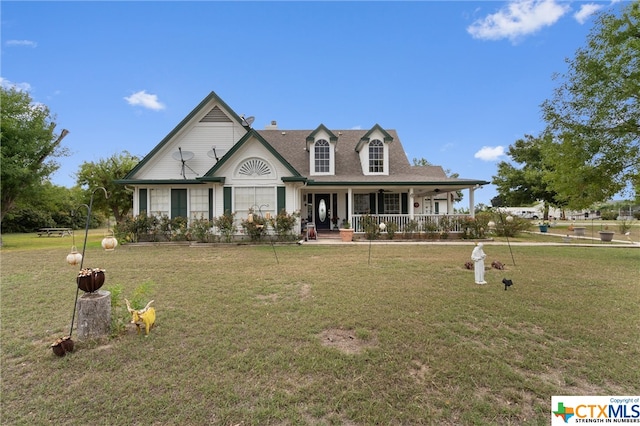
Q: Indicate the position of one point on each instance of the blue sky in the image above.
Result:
(459, 80)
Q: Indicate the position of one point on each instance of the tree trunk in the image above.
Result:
(94, 314)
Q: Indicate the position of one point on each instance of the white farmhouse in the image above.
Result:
(214, 162)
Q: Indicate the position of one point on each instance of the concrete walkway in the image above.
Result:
(573, 242)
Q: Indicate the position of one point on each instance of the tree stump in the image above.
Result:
(94, 314)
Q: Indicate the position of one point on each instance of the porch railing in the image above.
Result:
(427, 223)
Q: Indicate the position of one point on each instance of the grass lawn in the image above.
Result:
(322, 337)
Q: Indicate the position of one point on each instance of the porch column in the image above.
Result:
(431, 207)
(411, 201)
(350, 205)
(449, 203)
(472, 210)
(136, 201)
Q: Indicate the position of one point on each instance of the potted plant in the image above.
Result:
(579, 230)
(606, 235)
(346, 233)
(335, 220)
(543, 226)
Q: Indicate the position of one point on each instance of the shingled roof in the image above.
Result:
(291, 145)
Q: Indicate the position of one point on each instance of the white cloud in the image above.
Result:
(27, 43)
(586, 10)
(519, 18)
(21, 87)
(488, 153)
(145, 100)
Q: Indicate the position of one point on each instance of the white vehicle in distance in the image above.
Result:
(523, 212)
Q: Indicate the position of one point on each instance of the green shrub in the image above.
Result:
(226, 225)
(254, 226)
(200, 230)
(609, 215)
(371, 227)
(392, 229)
(283, 225)
(411, 228)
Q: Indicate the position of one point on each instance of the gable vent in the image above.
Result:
(215, 116)
(255, 167)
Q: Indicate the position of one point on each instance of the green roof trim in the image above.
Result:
(215, 179)
(157, 181)
(312, 136)
(251, 133)
(211, 97)
(366, 138)
(311, 182)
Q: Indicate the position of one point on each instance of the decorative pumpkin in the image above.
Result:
(90, 280)
(62, 345)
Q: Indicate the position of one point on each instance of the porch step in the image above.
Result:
(328, 235)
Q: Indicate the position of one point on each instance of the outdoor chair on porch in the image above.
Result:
(311, 231)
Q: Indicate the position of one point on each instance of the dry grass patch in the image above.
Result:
(345, 341)
(322, 337)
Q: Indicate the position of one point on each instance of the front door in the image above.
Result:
(322, 211)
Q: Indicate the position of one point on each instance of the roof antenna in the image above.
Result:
(247, 122)
(213, 153)
(183, 157)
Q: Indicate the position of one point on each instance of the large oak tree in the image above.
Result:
(594, 114)
(29, 146)
(525, 182)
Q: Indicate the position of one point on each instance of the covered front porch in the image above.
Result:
(414, 224)
(403, 210)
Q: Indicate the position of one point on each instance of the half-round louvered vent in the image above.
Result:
(255, 167)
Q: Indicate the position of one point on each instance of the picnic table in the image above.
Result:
(54, 231)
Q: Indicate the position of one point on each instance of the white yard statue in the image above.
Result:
(478, 263)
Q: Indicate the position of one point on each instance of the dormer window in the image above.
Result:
(373, 149)
(376, 156)
(322, 145)
(322, 156)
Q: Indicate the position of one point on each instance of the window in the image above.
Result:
(321, 155)
(199, 203)
(159, 202)
(391, 203)
(361, 203)
(143, 200)
(254, 167)
(376, 156)
(260, 199)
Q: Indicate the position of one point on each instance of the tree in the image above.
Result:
(49, 206)
(103, 173)
(526, 184)
(594, 114)
(28, 146)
